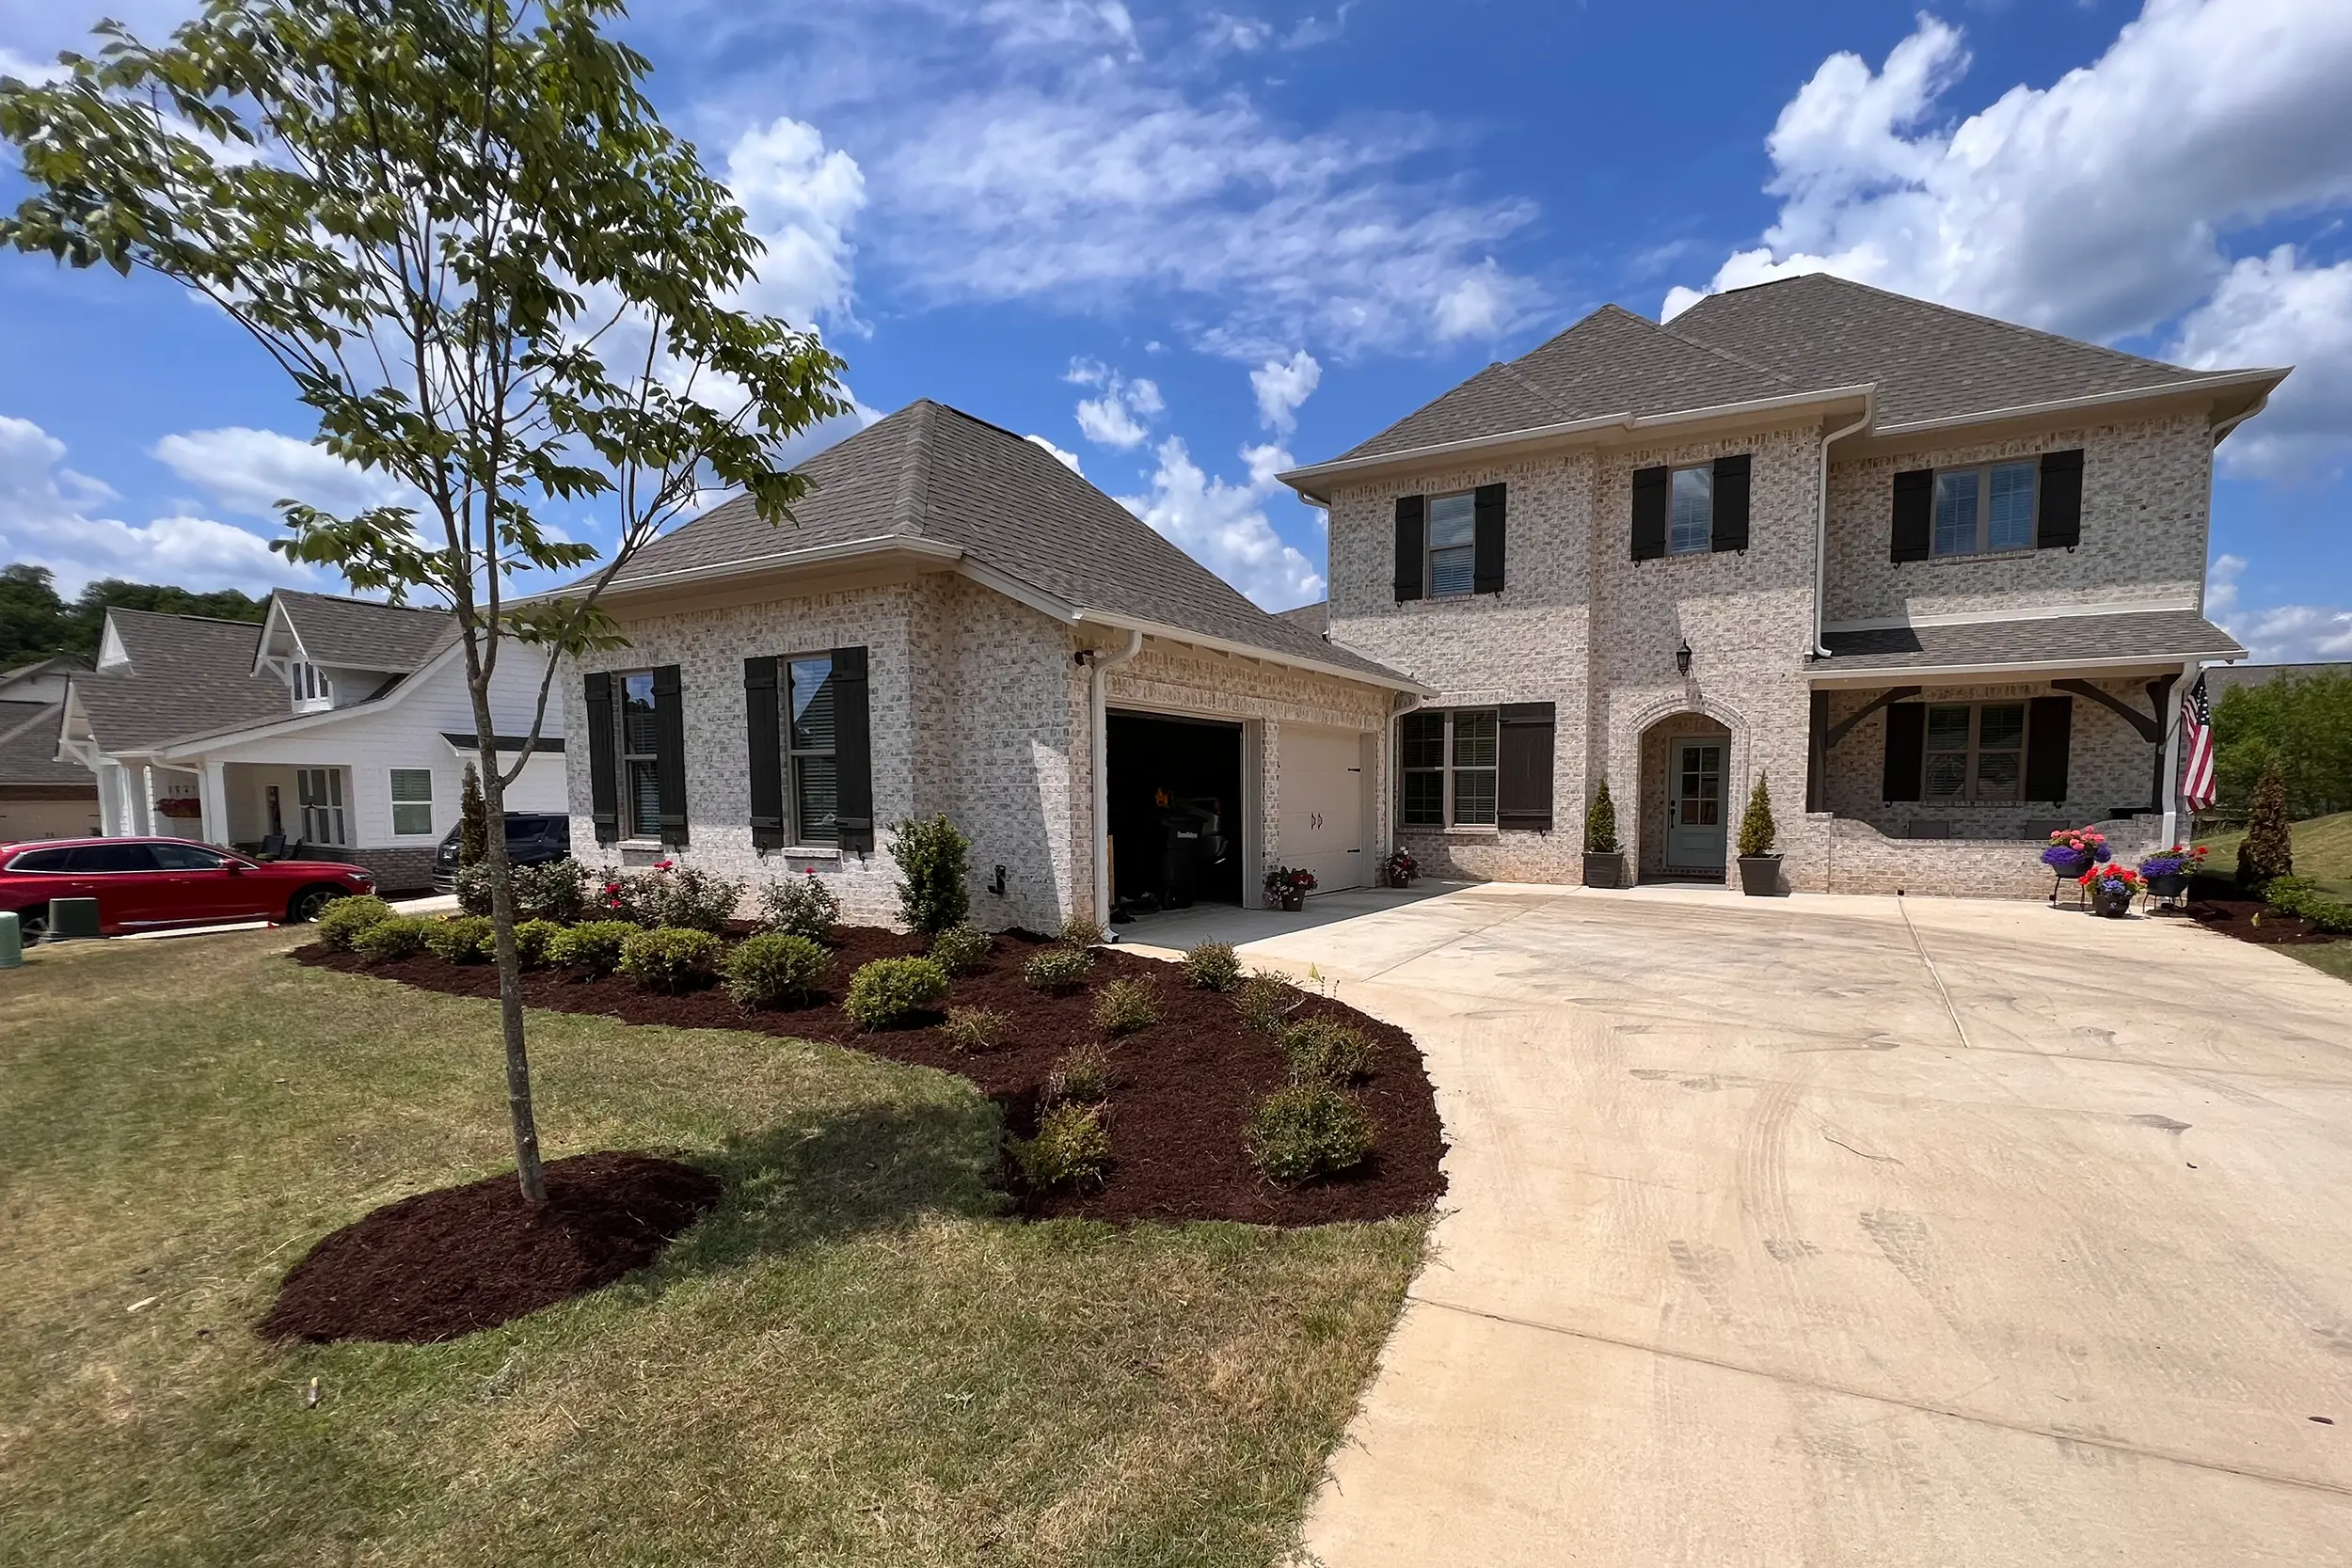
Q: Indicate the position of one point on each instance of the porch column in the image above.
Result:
(143, 801)
(2173, 755)
(212, 795)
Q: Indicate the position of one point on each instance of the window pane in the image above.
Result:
(1424, 798)
(2010, 514)
(412, 784)
(1997, 773)
(816, 793)
(812, 704)
(112, 857)
(1424, 741)
(1945, 775)
(1452, 571)
(2002, 727)
(1475, 796)
(412, 818)
(1474, 738)
(1948, 727)
(39, 860)
(645, 797)
(1693, 515)
(640, 733)
(183, 857)
(1956, 512)
(1453, 520)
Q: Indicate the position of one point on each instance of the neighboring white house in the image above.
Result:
(340, 728)
(39, 795)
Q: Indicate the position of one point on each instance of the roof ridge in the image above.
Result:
(353, 598)
(176, 615)
(1740, 360)
(915, 471)
(1520, 377)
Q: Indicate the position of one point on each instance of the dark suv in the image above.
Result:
(533, 838)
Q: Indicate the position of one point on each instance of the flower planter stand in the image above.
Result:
(1759, 877)
(1604, 869)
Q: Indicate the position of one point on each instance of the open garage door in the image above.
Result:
(1326, 805)
(1174, 787)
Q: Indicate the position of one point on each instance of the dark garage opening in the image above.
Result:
(1175, 812)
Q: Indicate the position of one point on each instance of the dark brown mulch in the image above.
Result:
(2221, 905)
(449, 1262)
(1183, 1091)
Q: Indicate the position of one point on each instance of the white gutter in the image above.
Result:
(1245, 650)
(1098, 664)
(1820, 529)
(2221, 431)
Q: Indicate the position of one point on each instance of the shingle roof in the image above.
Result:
(2055, 640)
(1929, 361)
(362, 634)
(935, 473)
(186, 675)
(1316, 617)
(28, 747)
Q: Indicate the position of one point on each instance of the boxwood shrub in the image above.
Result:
(461, 938)
(1324, 1051)
(345, 918)
(776, 970)
(670, 957)
(962, 949)
(535, 941)
(593, 945)
(890, 991)
(1306, 1130)
(400, 936)
(1058, 969)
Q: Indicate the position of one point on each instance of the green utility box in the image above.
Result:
(11, 942)
(71, 917)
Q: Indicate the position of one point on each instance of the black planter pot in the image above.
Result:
(1293, 902)
(2169, 887)
(1759, 877)
(2112, 902)
(1604, 870)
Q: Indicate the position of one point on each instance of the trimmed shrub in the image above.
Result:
(2267, 849)
(1306, 1130)
(674, 897)
(1124, 1007)
(1073, 1149)
(2300, 896)
(461, 938)
(974, 1030)
(1058, 969)
(801, 905)
(557, 891)
(345, 918)
(400, 936)
(962, 949)
(1600, 823)
(775, 970)
(1324, 1051)
(1081, 1077)
(1758, 833)
(1083, 930)
(593, 945)
(890, 991)
(670, 957)
(931, 874)
(1264, 1000)
(1212, 966)
(534, 942)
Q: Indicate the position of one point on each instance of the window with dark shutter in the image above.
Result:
(2049, 739)
(1913, 530)
(1486, 549)
(2058, 517)
(1411, 544)
(669, 707)
(1649, 512)
(763, 750)
(1523, 768)
(1906, 744)
(853, 751)
(604, 790)
(1731, 503)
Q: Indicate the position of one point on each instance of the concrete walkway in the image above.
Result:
(1866, 1232)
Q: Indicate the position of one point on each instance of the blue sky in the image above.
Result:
(1187, 247)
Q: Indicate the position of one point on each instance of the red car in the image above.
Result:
(149, 884)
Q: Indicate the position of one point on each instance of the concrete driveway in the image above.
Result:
(1843, 1231)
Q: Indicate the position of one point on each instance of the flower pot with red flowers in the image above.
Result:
(2112, 888)
(2167, 870)
(1287, 886)
(1400, 869)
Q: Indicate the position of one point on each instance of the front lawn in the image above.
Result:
(853, 1359)
(2322, 851)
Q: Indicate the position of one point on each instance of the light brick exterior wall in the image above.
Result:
(1857, 858)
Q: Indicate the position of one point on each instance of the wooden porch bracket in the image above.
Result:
(2151, 729)
(1838, 731)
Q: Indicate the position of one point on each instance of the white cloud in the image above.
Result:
(1283, 386)
(2279, 634)
(800, 200)
(1120, 417)
(2275, 310)
(45, 519)
(1224, 526)
(248, 472)
(1068, 459)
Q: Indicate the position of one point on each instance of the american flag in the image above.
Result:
(2196, 734)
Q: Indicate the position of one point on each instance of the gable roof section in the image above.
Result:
(1929, 361)
(362, 634)
(186, 674)
(932, 475)
(28, 747)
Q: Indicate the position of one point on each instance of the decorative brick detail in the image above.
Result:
(1857, 858)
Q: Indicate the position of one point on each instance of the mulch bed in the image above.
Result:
(1182, 1095)
(449, 1262)
(2221, 905)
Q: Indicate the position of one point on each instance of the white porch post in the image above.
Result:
(145, 803)
(109, 800)
(212, 793)
(2173, 756)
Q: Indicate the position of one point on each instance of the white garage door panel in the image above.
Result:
(1323, 805)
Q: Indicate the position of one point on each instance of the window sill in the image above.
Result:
(1468, 832)
(810, 852)
(1971, 557)
(648, 844)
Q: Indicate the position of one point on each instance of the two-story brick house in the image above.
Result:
(1936, 577)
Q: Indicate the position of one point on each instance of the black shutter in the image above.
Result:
(1411, 545)
(1915, 516)
(1649, 512)
(1731, 503)
(604, 787)
(668, 763)
(1906, 746)
(1523, 768)
(763, 745)
(2049, 738)
(2058, 518)
(1486, 510)
(853, 751)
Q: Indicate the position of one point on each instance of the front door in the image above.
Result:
(1695, 807)
(321, 793)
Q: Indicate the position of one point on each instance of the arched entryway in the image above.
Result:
(1686, 774)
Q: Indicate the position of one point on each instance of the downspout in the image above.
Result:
(1821, 531)
(1099, 664)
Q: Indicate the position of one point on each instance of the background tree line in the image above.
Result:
(37, 622)
(2304, 724)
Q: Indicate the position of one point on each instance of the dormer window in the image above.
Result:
(312, 690)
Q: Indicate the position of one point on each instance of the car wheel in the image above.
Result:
(309, 902)
(32, 925)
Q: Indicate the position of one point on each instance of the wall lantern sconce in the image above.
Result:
(1682, 657)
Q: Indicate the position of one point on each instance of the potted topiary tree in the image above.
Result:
(1604, 860)
(1759, 862)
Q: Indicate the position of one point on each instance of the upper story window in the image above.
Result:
(1974, 752)
(1453, 545)
(1690, 525)
(1982, 510)
(311, 688)
(1952, 514)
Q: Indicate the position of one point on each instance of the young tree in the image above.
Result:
(473, 819)
(461, 230)
(2267, 850)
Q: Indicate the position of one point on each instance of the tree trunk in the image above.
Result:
(527, 1167)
